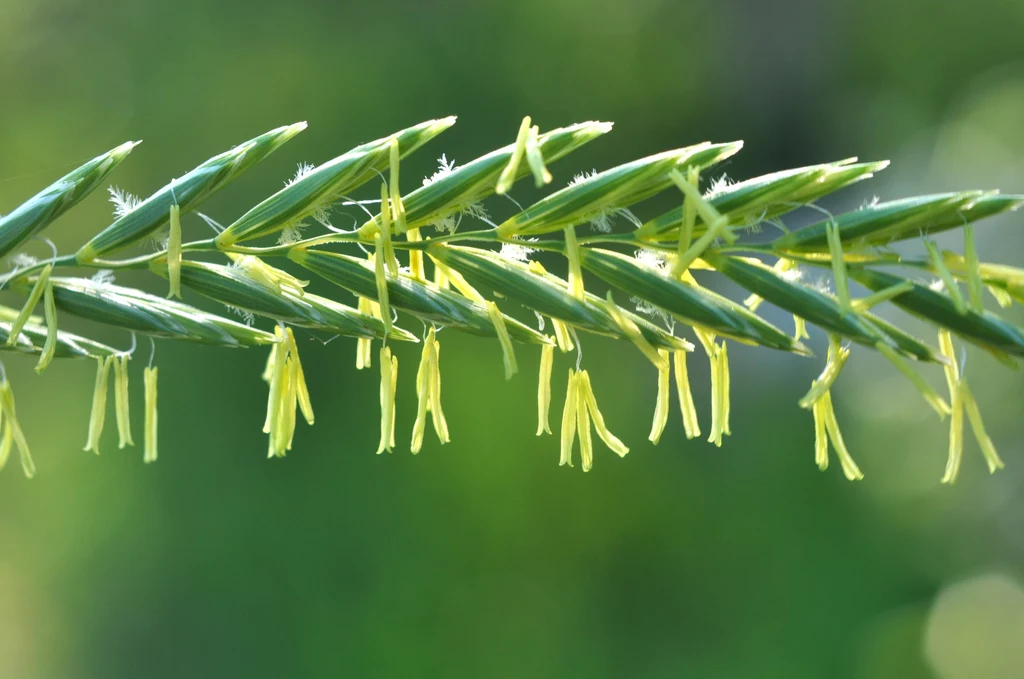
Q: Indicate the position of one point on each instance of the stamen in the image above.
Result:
(124, 428)
(850, 468)
(388, 383)
(416, 269)
(568, 431)
(686, 405)
(301, 391)
(632, 332)
(508, 352)
(440, 423)
(820, 435)
(28, 466)
(149, 380)
(562, 336)
(956, 435)
(662, 405)
(610, 440)
(364, 345)
(547, 359)
(837, 356)
(988, 449)
(583, 426)
(99, 404)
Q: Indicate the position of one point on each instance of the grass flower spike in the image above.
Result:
(283, 268)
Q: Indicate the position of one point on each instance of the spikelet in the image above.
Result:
(50, 314)
(507, 351)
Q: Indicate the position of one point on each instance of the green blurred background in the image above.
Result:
(484, 558)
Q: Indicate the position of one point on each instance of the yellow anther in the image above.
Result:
(610, 440)
(583, 425)
(149, 376)
(850, 468)
(99, 404)
(388, 384)
(364, 345)
(547, 360)
(837, 356)
(568, 430)
(121, 409)
(632, 332)
(302, 392)
(662, 404)
(13, 430)
(686, 405)
(416, 269)
(572, 252)
(507, 351)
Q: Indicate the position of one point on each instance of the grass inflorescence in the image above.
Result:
(433, 255)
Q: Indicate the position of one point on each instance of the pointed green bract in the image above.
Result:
(475, 180)
(544, 293)
(618, 187)
(685, 302)
(813, 306)
(984, 329)
(901, 219)
(131, 309)
(319, 187)
(425, 301)
(38, 212)
(187, 192)
(767, 196)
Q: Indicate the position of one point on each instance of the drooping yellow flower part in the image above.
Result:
(30, 304)
(800, 329)
(579, 412)
(547, 360)
(50, 314)
(568, 430)
(632, 332)
(662, 407)
(416, 269)
(428, 394)
(588, 399)
(686, 405)
(835, 248)
(583, 425)
(397, 207)
(850, 468)
(364, 345)
(440, 278)
(963, 402)
(149, 380)
(99, 404)
(508, 175)
(718, 359)
(124, 428)
(388, 384)
(820, 435)
(572, 253)
(535, 158)
(174, 254)
(12, 431)
(507, 351)
(288, 392)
